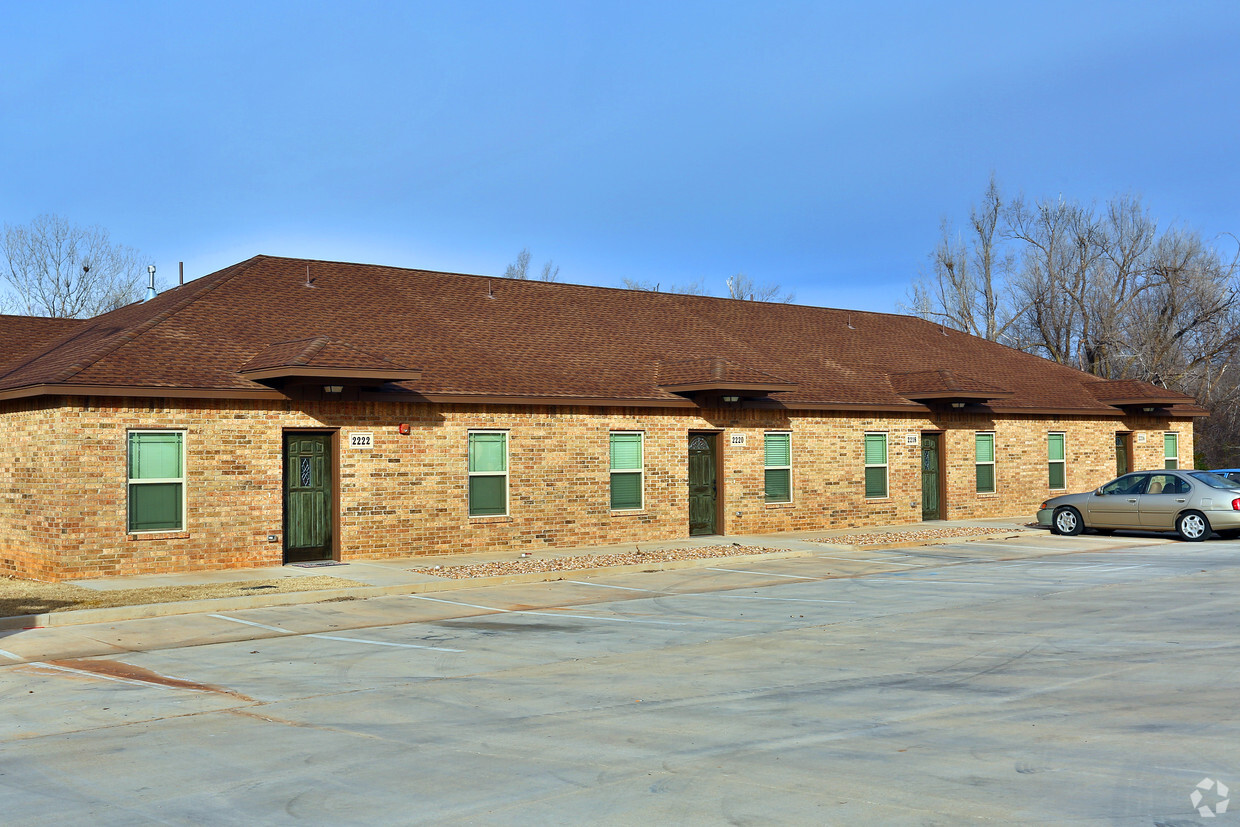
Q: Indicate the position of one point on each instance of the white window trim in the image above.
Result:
(1063, 462)
(886, 466)
(994, 451)
(507, 467)
(788, 467)
(1175, 434)
(641, 472)
(181, 479)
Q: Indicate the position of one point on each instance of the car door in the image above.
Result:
(1116, 505)
(1165, 496)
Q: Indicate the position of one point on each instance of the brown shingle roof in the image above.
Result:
(475, 336)
(943, 384)
(24, 337)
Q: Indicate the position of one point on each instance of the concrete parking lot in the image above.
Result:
(1001, 682)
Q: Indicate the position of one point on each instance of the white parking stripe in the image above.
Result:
(252, 623)
(9, 654)
(764, 574)
(331, 637)
(609, 586)
(783, 599)
(916, 580)
(384, 643)
(544, 614)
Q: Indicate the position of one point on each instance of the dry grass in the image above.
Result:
(22, 597)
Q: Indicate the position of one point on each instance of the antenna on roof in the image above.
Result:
(309, 281)
(150, 287)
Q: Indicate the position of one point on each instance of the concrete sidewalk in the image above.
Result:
(407, 575)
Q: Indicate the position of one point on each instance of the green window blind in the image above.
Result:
(778, 472)
(1055, 460)
(488, 453)
(156, 481)
(626, 472)
(488, 474)
(154, 456)
(985, 463)
(1171, 450)
(876, 466)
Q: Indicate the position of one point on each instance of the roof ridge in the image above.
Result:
(113, 344)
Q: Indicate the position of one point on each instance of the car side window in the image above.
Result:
(1175, 485)
(1126, 485)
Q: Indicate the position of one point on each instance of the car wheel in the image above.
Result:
(1192, 526)
(1067, 521)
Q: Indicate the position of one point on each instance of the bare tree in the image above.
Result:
(520, 268)
(967, 289)
(55, 268)
(696, 288)
(741, 286)
(1102, 290)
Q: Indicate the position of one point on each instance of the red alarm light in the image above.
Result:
(403, 428)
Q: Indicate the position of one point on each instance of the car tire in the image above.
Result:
(1192, 526)
(1067, 521)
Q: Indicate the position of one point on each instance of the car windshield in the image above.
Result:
(1214, 480)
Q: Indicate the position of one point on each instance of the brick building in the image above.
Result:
(283, 410)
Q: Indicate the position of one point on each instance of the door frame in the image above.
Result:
(333, 509)
(720, 514)
(1127, 439)
(942, 470)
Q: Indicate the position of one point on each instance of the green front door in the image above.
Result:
(307, 497)
(1121, 454)
(930, 492)
(703, 488)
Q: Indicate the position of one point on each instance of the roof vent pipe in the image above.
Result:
(150, 287)
(181, 277)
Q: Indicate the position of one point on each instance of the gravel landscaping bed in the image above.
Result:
(883, 537)
(529, 565)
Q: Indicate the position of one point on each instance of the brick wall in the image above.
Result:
(63, 491)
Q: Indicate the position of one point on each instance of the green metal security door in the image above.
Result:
(703, 489)
(930, 509)
(307, 497)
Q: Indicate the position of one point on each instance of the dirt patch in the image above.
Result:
(885, 537)
(530, 565)
(24, 597)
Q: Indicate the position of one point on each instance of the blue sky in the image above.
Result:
(817, 145)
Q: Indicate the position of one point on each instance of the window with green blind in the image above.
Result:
(156, 481)
(626, 471)
(488, 473)
(778, 468)
(1056, 460)
(1171, 450)
(875, 466)
(985, 463)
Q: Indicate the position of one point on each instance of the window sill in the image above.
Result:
(779, 505)
(158, 535)
(491, 518)
(636, 512)
(878, 499)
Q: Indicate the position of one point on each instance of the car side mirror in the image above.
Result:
(1098, 492)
